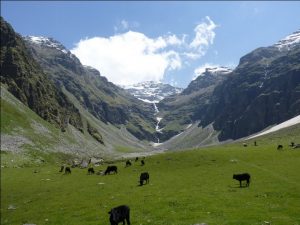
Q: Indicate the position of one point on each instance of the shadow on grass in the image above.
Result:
(244, 186)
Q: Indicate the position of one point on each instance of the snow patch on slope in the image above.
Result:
(211, 69)
(48, 42)
(280, 126)
(152, 92)
(289, 41)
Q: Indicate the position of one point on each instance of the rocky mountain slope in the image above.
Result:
(25, 133)
(25, 79)
(104, 100)
(263, 90)
(182, 110)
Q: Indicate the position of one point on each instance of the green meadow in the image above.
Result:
(186, 188)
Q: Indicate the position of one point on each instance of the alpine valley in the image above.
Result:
(50, 102)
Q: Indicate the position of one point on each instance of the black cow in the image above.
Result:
(142, 162)
(241, 177)
(137, 158)
(119, 214)
(128, 163)
(111, 169)
(279, 147)
(61, 169)
(144, 177)
(67, 170)
(91, 170)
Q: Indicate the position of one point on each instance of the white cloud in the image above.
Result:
(128, 58)
(132, 57)
(204, 36)
(191, 55)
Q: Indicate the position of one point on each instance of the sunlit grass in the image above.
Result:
(185, 188)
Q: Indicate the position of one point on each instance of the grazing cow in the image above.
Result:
(111, 169)
(279, 147)
(61, 169)
(67, 170)
(144, 177)
(119, 214)
(128, 163)
(137, 158)
(241, 177)
(91, 171)
(292, 144)
(297, 146)
(142, 162)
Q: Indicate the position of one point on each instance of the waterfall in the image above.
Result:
(155, 108)
(157, 129)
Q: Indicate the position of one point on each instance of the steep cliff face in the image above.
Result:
(106, 101)
(263, 90)
(26, 80)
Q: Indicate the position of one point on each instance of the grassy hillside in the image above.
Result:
(189, 187)
(193, 136)
(23, 132)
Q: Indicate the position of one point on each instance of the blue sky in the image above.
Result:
(135, 41)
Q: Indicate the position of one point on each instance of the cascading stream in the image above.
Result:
(158, 130)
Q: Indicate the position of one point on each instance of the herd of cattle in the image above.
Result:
(279, 147)
(122, 213)
(111, 170)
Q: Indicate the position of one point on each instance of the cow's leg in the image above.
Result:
(127, 220)
(240, 183)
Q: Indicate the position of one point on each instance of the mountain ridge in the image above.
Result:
(103, 99)
(25, 80)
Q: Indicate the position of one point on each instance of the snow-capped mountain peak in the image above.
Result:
(151, 91)
(212, 71)
(47, 42)
(220, 69)
(289, 41)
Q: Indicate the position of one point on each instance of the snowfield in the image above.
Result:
(280, 126)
